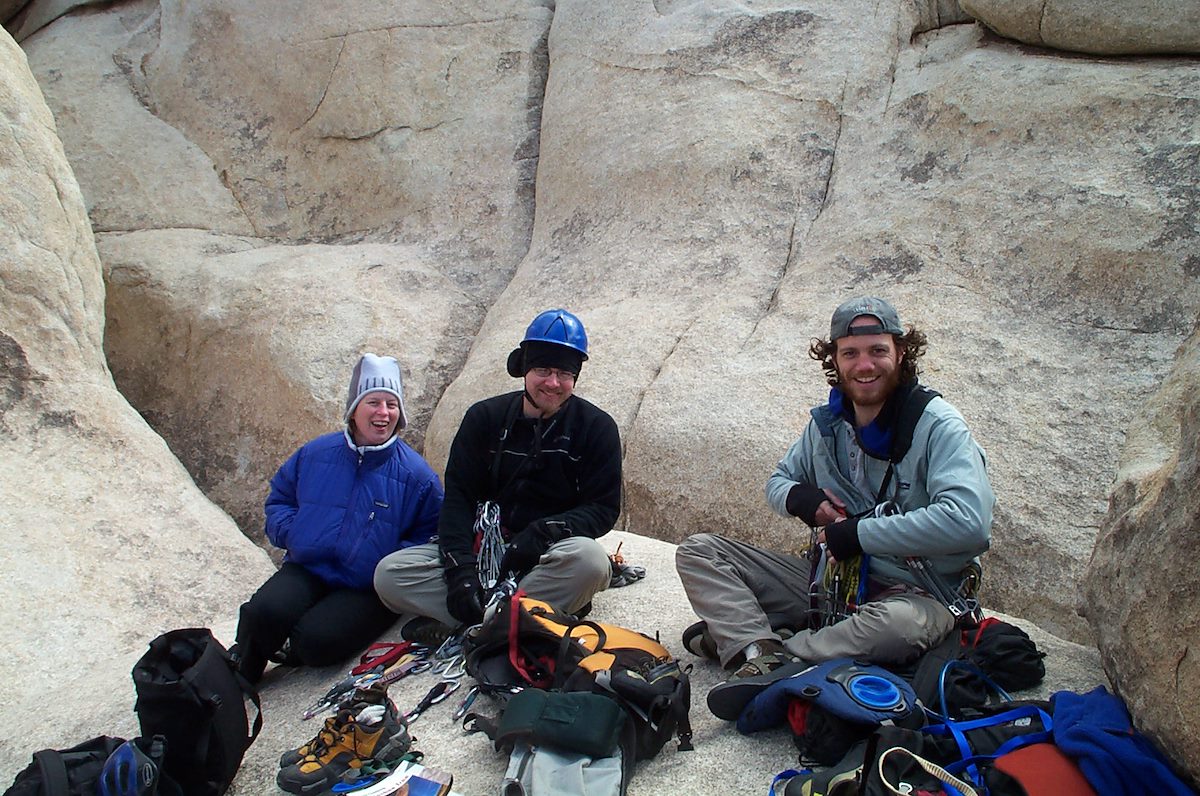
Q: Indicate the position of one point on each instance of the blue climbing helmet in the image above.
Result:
(558, 326)
(129, 771)
(554, 327)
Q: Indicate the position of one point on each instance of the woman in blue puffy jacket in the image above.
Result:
(337, 506)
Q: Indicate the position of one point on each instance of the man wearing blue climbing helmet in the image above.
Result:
(894, 490)
(532, 480)
(549, 359)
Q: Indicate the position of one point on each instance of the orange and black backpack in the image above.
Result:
(525, 643)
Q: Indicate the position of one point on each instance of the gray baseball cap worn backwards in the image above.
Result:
(885, 313)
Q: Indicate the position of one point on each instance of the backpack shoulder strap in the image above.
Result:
(906, 420)
(54, 772)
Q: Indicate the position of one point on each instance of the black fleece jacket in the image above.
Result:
(565, 468)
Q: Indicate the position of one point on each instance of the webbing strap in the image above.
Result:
(54, 772)
(783, 777)
(959, 729)
(950, 783)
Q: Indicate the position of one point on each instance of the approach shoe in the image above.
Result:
(354, 745)
(348, 709)
(426, 631)
(697, 641)
(840, 779)
(728, 699)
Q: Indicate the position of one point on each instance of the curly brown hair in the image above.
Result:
(912, 345)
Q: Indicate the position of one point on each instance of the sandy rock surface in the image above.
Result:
(722, 762)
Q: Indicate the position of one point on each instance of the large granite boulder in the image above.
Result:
(711, 181)
(1102, 27)
(192, 149)
(107, 542)
(270, 333)
(1146, 553)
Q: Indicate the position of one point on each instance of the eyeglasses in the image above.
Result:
(564, 376)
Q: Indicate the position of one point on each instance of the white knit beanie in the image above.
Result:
(375, 374)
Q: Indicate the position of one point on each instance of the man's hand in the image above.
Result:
(831, 510)
(526, 548)
(816, 506)
(464, 593)
(840, 540)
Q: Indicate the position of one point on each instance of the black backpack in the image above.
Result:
(189, 691)
(1002, 651)
(65, 772)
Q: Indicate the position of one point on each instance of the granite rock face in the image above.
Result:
(1100, 27)
(711, 181)
(279, 192)
(1146, 553)
(107, 541)
(275, 192)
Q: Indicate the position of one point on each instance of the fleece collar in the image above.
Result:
(364, 450)
(877, 436)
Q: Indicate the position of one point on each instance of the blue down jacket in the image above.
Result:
(337, 509)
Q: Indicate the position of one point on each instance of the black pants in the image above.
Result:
(325, 624)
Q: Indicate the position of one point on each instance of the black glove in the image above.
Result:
(803, 500)
(464, 593)
(526, 547)
(841, 539)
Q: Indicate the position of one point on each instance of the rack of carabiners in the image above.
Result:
(387, 662)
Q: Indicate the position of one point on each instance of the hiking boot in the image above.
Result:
(354, 744)
(727, 700)
(352, 706)
(697, 641)
(327, 736)
(426, 631)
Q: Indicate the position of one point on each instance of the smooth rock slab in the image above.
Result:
(1102, 27)
(106, 540)
(239, 352)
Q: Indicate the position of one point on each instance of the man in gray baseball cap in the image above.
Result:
(894, 489)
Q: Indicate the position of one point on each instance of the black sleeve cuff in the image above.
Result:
(803, 500)
(842, 539)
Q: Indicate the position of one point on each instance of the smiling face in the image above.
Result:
(869, 369)
(550, 388)
(374, 419)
